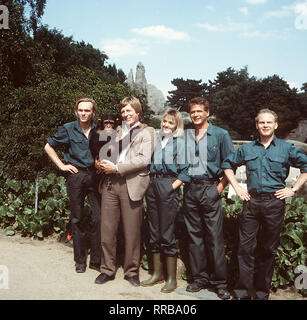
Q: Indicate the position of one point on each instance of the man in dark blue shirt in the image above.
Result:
(82, 180)
(206, 147)
(267, 161)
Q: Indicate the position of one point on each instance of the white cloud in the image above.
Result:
(123, 47)
(283, 12)
(161, 33)
(280, 34)
(244, 10)
(229, 26)
(256, 1)
(301, 10)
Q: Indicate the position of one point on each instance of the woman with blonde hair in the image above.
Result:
(168, 171)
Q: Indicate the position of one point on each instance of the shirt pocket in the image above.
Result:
(212, 153)
(251, 162)
(77, 140)
(276, 163)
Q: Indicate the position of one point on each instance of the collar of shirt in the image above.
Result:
(209, 131)
(165, 139)
(78, 127)
(273, 142)
(127, 129)
(125, 132)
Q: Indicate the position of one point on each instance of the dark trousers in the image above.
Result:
(204, 222)
(268, 214)
(162, 201)
(79, 185)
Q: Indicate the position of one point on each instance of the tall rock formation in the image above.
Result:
(154, 96)
(140, 79)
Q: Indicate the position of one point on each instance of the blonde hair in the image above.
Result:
(267, 111)
(134, 102)
(92, 101)
(176, 115)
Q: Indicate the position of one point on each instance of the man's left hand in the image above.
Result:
(107, 167)
(284, 193)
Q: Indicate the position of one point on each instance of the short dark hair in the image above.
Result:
(201, 101)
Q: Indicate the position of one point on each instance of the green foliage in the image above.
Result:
(236, 97)
(17, 206)
(17, 214)
(186, 90)
(292, 250)
(42, 74)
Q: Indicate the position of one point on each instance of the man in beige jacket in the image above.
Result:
(122, 190)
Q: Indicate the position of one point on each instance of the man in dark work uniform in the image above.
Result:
(267, 161)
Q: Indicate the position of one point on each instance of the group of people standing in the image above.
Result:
(116, 167)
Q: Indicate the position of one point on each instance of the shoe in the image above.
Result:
(195, 286)
(103, 278)
(95, 266)
(223, 294)
(134, 280)
(80, 267)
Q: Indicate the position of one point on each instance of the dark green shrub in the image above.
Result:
(17, 214)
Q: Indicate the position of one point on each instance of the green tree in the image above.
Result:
(237, 98)
(186, 90)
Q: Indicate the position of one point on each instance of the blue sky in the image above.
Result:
(193, 39)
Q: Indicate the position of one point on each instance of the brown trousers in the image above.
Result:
(115, 206)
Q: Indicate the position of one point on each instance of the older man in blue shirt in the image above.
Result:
(82, 180)
(267, 161)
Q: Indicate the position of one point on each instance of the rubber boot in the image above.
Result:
(171, 281)
(157, 276)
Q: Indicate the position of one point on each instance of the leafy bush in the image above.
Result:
(17, 208)
(17, 214)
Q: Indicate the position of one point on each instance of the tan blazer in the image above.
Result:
(138, 157)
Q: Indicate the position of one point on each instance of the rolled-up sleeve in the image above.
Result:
(234, 160)
(61, 137)
(226, 146)
(298, 159)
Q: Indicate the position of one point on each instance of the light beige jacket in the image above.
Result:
(138, 157)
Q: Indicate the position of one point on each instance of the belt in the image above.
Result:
(161, 175)
(263, 195)
(90, 168)
(204, 180)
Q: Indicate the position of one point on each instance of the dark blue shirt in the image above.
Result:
(170, 159)
(206, 156)
(77, 151)
(267, 168)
